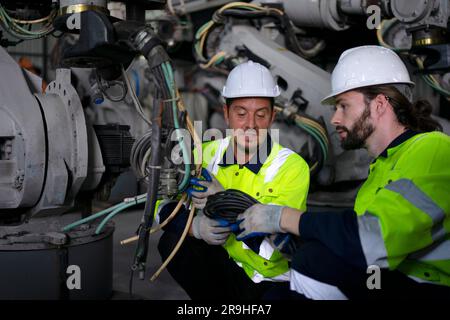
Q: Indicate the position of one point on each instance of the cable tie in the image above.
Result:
(131, 199)
(173, 99)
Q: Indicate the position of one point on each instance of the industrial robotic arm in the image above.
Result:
(50, 154)
(51, 157)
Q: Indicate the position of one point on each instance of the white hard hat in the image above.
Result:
(250, 79)
(366, 66)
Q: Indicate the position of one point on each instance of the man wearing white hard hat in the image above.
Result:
(212, 264)
(395, 243)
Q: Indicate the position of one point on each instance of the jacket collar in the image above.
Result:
(398, 141)
(255, 163)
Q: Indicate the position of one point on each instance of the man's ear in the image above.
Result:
(274, 114)
(225, 114)
(381, 104)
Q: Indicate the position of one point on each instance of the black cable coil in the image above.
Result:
(228, 204)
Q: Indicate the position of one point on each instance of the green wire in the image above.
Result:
(101, 213)
(19, 32)
(116, 211)
(438, 89)
(211, 23)
(167, 69)
(316, 135)
(90, 218)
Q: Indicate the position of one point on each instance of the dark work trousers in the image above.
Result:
(316, 261)
(206, 272)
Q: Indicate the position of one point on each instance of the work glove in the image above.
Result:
(259, 220)
(199, 198)
(211, 231)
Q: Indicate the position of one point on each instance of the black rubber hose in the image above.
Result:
(227, 205)
(152, 190)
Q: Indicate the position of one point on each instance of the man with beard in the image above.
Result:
(395, 243)
(211, 263)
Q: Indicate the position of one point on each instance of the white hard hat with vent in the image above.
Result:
(366, 66)
(250, 79)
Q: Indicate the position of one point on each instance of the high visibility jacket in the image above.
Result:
(403, 209)
(282, 179)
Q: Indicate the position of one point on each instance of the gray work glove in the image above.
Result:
(259, 220)
(199, 198)
(209, 230)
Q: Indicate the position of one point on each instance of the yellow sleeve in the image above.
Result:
(293, 182)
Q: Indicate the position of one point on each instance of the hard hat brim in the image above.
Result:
(329, 100)
(276, 92)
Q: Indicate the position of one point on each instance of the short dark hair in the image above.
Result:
(229, 101)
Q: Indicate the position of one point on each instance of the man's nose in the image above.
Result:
(336, 118)
(251, 123)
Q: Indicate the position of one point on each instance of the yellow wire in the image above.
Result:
(216, 57)
(177, 246)
(380, 33)
(313, 166)
(51, 15)
(430, 77)
(203, 34)
(240, 4)
(314, 124)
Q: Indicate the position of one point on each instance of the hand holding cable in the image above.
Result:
(208, 188)
(260, 220)
(209, 230)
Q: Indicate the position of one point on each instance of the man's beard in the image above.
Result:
(357, 136)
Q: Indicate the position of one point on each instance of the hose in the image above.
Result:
(167, 69)
(139, 150)
(227, 205)
(177, 247)
(120, 206)
(161, 225)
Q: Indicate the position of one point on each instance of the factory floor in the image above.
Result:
(163, 288)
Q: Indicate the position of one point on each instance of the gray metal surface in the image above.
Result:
(22, 135)
(96, 167)
(315, 13)
(67, 145)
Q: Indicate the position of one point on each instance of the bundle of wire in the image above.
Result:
(227, 205)
(140, 154)
(22, 29)
(234, 9)
(319, 134)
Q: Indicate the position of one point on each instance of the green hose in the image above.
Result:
(102, 213)
(90, 218)
(168, 73)
(116, 211)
